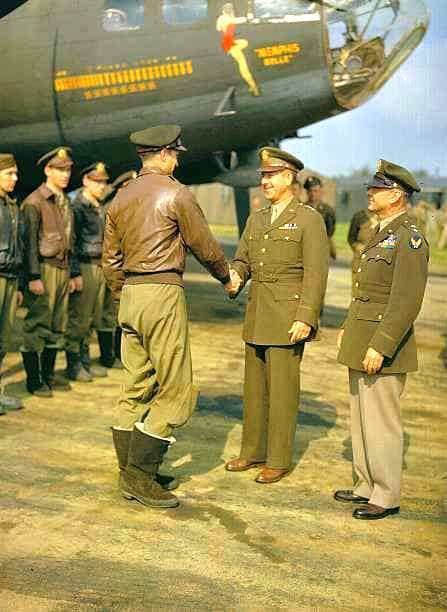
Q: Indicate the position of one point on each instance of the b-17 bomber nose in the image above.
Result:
(368, 41)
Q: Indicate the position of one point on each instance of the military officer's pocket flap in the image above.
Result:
(370, 312)
(285, 293)
(291, 235)
(387, 257)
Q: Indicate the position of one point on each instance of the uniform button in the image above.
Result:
(359, 270)
(379, 317)
(363, 256)
(296, 296)
(353, 299)
(263, 250)
(356, 284)
(261, 263)
(377, 256)
(266, 236)
(287, 238)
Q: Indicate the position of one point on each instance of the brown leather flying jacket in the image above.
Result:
(48, 236)
(150, 225)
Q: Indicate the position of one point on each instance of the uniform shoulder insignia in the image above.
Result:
(310, 208)
(416, 240)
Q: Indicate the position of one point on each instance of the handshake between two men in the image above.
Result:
(298, 331)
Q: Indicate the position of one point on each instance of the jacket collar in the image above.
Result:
(6, 199)
(387, 231)
(46, 192)
(287, 215)
(151, 170)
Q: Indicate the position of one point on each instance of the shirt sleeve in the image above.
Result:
(30, 223)
(197, 235)
(406, 296)
(315, 265)
(112, 256)
(241, 261)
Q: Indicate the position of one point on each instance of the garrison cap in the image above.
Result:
(124, 178)
(312, 181)
(96, 172)
(7, 160)
(392, 176)
(154, 139)
(57, 158)
(274, 160)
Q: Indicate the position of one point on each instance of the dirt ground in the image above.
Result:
(68, 541)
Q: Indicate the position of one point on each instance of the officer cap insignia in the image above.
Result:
(62, 154)
(100, 167)
(416, 241)
(265, 155)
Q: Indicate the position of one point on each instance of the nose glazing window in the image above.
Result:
(369, 40)
(123, 15)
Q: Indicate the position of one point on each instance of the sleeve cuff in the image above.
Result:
(384, 344)
(307, 315)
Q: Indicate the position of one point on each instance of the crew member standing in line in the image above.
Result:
(51, 273)
(10, 266)
(90, 308)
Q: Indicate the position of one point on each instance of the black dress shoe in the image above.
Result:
(350, 497)
(370, 512)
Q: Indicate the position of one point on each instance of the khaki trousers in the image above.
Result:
(271, 399)
(156, 355)
(377, 436)
(46, 320)
(92, 307)
(8, 307)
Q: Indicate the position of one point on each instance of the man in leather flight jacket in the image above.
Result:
(94, 306)
(10, 265)
(150, 225)
(48, 266)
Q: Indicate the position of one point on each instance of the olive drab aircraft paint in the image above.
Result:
(235, 75)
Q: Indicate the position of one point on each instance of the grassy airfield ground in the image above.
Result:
(68, 541)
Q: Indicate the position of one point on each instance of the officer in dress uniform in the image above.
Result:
(314, 186)
(93, 307)
(10, 266)
(284, 251)
(143, 259)
(377, 342)
(51, 272)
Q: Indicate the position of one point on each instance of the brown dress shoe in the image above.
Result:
(240, 465)
(371, 512)
(350, 497)
(268, 475)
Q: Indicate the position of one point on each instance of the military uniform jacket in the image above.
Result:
(89, 229)
(10, 239)
(287, 262)
(48, 235)
(387, 297)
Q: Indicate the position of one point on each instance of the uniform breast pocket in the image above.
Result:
(50, 244)
(287, 246)
(370, 312)
(380, 267)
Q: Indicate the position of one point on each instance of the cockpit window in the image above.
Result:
(282, 10)
(123, 15)
(369, 40)
(184, 12)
